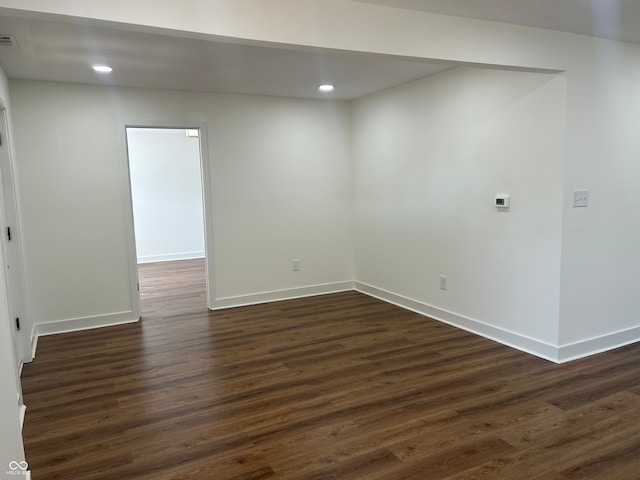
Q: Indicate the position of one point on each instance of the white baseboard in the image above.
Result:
(34, 341)
(599, 344)
(278, 295)
(170, 257)
(84, 323)
(511, 339)
(23, 410)
(557, 354)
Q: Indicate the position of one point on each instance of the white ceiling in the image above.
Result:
(613, 19)
(62, 49)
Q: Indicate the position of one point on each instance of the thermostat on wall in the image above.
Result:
(502, 201)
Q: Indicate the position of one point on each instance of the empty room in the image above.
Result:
(400, 243)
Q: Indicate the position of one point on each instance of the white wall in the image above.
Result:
(11, 448)
(166, 190)
(430, 157)
(73, 195)
(600, 305)
(281, 187)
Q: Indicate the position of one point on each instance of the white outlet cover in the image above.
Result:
(502, 201)
(580, 198)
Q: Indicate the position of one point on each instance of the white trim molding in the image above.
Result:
(515, 340)
(599, 344)
(34, 341)
(557, 354)
(84, 323)
(278, 295)
(170, 257)
(23, 411)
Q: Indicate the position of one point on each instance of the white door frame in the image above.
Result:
(13, 267)
(207, 203)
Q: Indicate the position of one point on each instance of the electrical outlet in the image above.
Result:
(295, 265)
(443, 282)
(580, 198)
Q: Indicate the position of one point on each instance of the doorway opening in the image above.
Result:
(168, 205)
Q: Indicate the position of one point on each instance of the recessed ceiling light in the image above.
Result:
(326, 87)
(102, 68)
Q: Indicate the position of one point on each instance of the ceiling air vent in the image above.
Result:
(8, 41)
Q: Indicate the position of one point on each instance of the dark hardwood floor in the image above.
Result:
(338, 387)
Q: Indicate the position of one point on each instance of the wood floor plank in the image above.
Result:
(339, 386)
